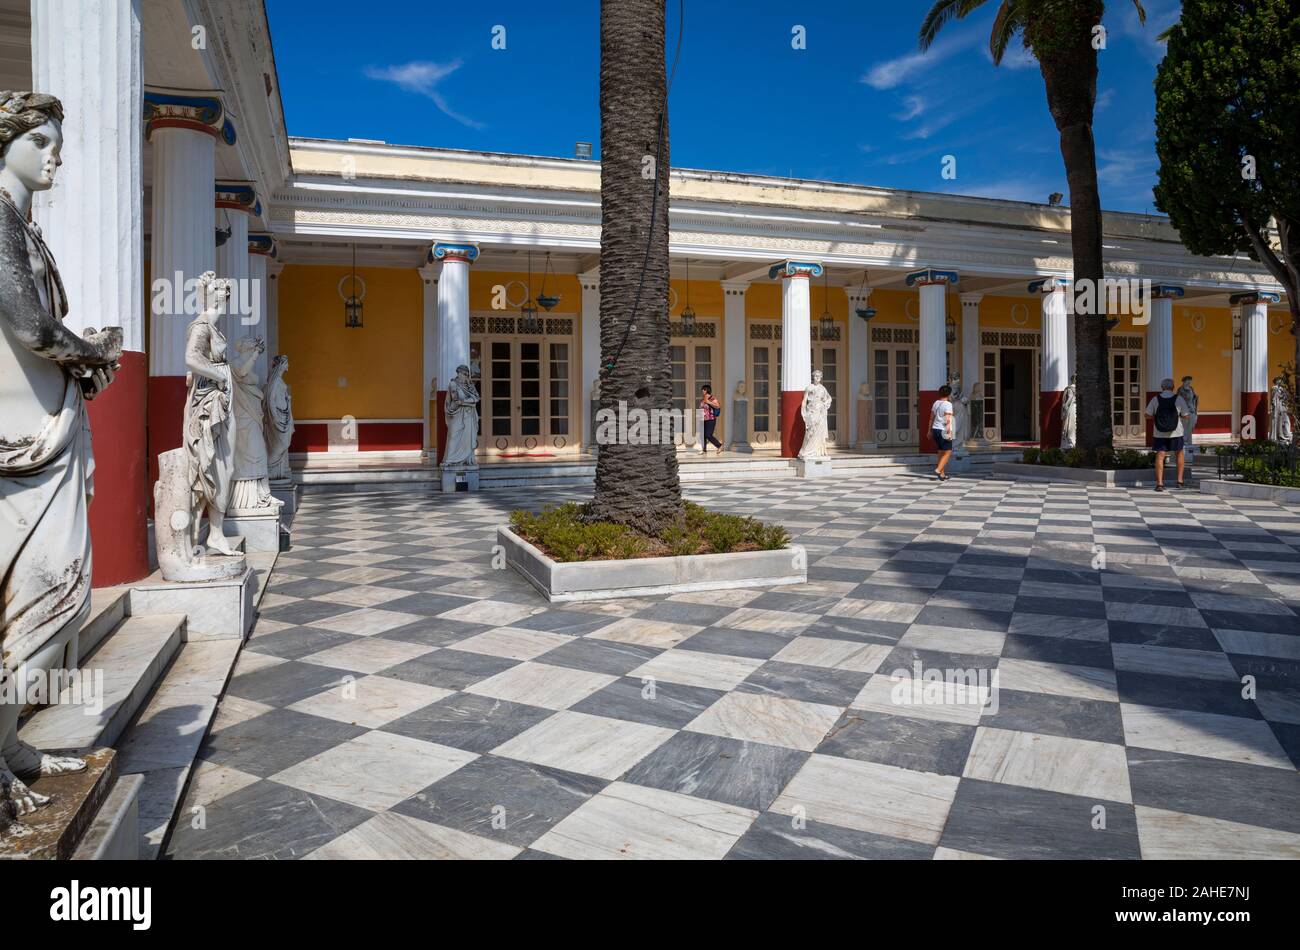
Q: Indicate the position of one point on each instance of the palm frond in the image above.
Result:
(1142, 13)
(941, 14)
(1009, 21)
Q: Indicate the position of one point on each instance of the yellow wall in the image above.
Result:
(1205, 356)
(565, 286)
(382, 361)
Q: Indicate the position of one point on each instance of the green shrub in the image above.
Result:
(1033, 455)
(1053, 456)
(1077, 458)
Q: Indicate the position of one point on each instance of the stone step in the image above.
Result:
(108, 608)
(132, 659)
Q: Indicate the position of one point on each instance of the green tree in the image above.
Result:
(1228, 134)
(1063, 36)
(636, 485)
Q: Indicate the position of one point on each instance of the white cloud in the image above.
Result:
(1104, 100)
(912, 107)
(422, 78)
(894, 72)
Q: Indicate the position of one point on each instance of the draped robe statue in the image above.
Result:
(1070, 415)
(461, 412)
(252, 486)
(816, 403)
(1193, 404)
(47, 373)
(279, 421)
(960, 415)
(1280, 429)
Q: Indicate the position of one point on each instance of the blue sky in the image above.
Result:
(859, 104)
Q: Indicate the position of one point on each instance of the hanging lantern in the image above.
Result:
(688, 321)
(866, 313)
(826, 325)
(529, 321)
(950, 331)
(352, 308)
(547, 302)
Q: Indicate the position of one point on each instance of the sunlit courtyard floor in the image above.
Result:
(1133, 661)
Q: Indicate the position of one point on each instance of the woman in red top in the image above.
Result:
(711, 409)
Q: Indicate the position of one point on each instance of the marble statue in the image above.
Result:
(251, 490)
(208, 432)
(279, 421)
(740, 390)
(816, 403)
(1280, 429)
(1189, 424)
(1070, 414)
(960, 413)
(47, 373)
(461, 411)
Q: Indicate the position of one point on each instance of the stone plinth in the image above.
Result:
(813, 468)
(53, 832)
(738, 426)
(216, 610)
(865, 436)
(260, 528)
(286, 493)
(466, 476)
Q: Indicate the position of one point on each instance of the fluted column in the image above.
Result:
(429, 324)
(274, 268)
(184, 132)
(933, 284)
(1053, 374)
(859, 370)
(236, 203)
(590, 282)
(796, 348)
(90, 56)
(1254, 362)
(262, 250)
(733, 331)
(453, 320)
(1160, 342)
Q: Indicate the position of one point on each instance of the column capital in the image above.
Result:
(589, 280)
(1254, 297)
(734, 288)
(446, 253)
(238, 196)
(932, 275)
(198, 113)
(274, 268)
(1166, 292)
(429, 272)
(1050, 285)
(787, 269)
(263, 244)
(971, 299)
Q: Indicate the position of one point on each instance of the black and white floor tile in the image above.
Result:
(1126, 664)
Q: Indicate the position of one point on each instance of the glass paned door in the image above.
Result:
(526, 389)
(765, 380)
(894, 395)
(1127, 394)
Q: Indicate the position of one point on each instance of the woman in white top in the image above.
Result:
(941, 430)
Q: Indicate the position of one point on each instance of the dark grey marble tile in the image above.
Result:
(1057, 650)
(965, 618)
(286, 683)
(673, 611)
(809, 684)
(296, 642)
(426, 604)
(1250, 794)
(748, 774)
(921, 745)
(671, 706)
(1179, 692)
(1052, 715)
(306, 611)
(1287, 623)
(754, 644)
(469, 722)
(434, 632)
(572, 623)
(449, 669)
(274, 741)
(1163, 635)
(306, 587)
(599, 656)
(1062, 607)
(774, 837)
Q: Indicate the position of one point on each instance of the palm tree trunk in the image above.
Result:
(636, 484)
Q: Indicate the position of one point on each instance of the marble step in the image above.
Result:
(132, 659)
(108, 608)
(161, 745)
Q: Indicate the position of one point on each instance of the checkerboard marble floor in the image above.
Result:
(1123, 674)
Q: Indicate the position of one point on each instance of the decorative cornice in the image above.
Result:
(971, 299)
(788, 269)
(166, 110)
(1255, 296)
(735, 288)
(263, 244)
(464, 253)
(931, 275)
(238, 196)
(1050, 285)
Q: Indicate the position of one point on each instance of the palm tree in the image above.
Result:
(1060, 35)
(636, 485)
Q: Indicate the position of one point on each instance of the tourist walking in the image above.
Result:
(1167, 412)
(941, 430)
(710, 408)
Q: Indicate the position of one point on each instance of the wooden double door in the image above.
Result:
(526, 382)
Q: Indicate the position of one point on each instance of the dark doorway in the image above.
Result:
(1017, 395)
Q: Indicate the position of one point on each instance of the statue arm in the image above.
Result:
(196, 357)
(32, 326)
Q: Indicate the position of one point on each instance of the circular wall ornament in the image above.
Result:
(360, 281)
(530, 443)
(909, 309)
(991, 434)
(1198, 321)
(1019, 314)
(672, 298)
(559, 442)
(502, 443)
(511, 302)
(1278, 323)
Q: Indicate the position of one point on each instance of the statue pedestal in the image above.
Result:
(53, 832)
(454, 478)
(285, 492)
(738, 427)
(260, 528)
(216, 610)
(813, 468)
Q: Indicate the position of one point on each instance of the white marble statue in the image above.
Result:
(1189, 424)
(960, 414)
(816, 403)
(251, 491)
(1280, 429)
(279, 421)
(1070, 415)
(209, 427)
(47, 373)
(461, 411)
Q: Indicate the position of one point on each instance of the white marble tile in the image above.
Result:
(363, 595)
(1058, 679)
(633, 822)
(1171, 661)
(875, 609)
(514, 643)
(371, 701)
(1253, 643)
(767, 621)
(718, 598)
(691, 668)
(210, 782)
(590, 745)
(834, 654)
(772, 720)
(361, 574)
(390, 836)
(1155, 613)
(367, 621)
(959, 702)
(1052, 763)
(538, 684)
(375, 770)
(953, 854)
(1234, 739)
(497, 613)
(1168, 835)
(921, 636)
(868, 796)
(647, 633)
(368, 656)
(233, 710)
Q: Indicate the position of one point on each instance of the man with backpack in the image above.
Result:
(1167, 411)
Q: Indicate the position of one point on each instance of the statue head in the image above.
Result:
(280, 364)
(817, 377)
(462, 373)
(740, 388)
(1187, 381)
(31, 138)
(247, 344)
(214, 292)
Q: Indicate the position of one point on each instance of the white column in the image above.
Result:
(590, 282)
(972, 369)
(1053, 372)
(859, 359)
(453, 317)
(1254, 360)
(1160, 337)
(933, 286)
(273, 270)
(89, 55)
(235, 202)
(733, 331)
(261, 250)
(429, 324)
(796, 347)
